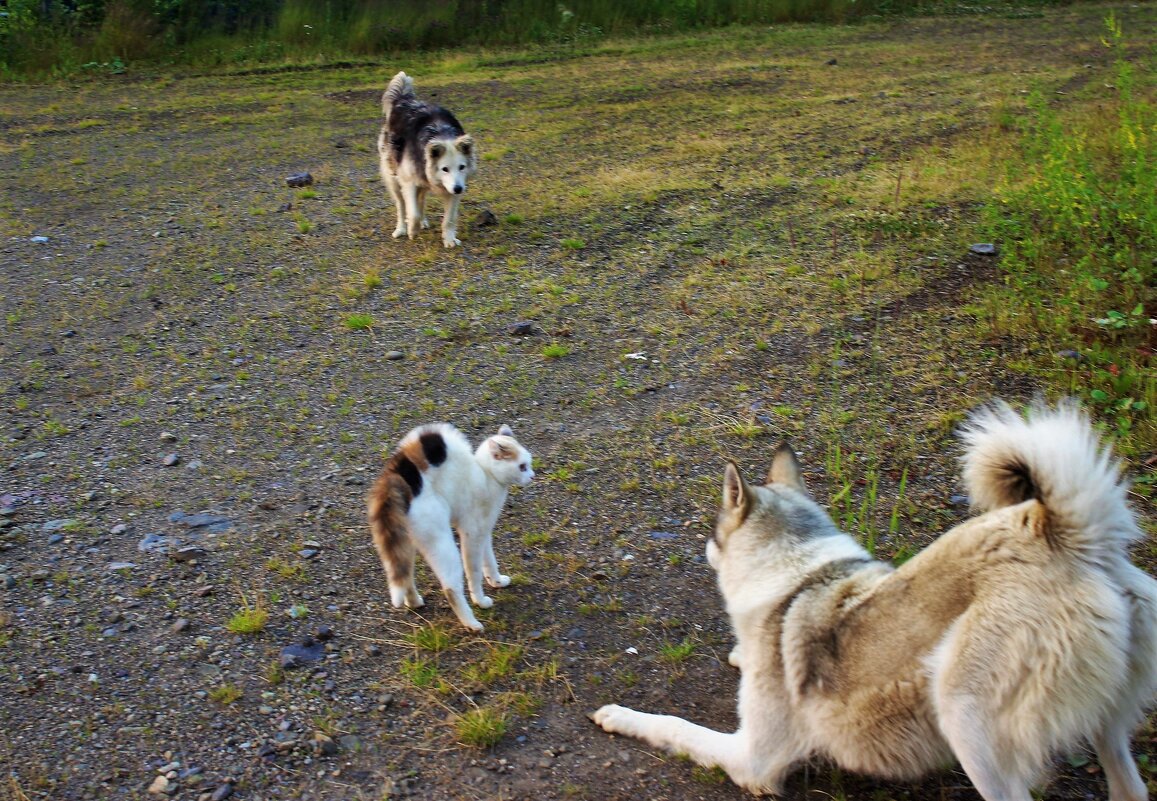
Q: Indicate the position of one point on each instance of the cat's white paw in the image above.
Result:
(501, 581)
(399, 232)
(485, 601)
(451, 242)
(417, 602)
(473, 625)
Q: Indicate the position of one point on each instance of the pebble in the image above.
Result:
(201, 592)
(523, 328)
(298, 655)
(119, 528)
(182, 624)
(299, 179)
(160, 786)
(57, 525)
(190, 553)
(485, 217)
(371, 649)
(55, 538)
(222, 792)
(983, 248)
(307, 553)
(171, 459)
(167, 436)
(394, 356)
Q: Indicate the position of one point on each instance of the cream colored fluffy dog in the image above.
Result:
(1020, 633)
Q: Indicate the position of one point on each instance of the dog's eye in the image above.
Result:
(462, 167)
(445, 169)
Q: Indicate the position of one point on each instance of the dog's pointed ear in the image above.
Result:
(437, 149)
(736, 500)
(785, 468)
(465, 144)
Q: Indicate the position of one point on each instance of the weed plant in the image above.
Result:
(1076, 220)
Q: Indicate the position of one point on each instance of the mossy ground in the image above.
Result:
(721, 240)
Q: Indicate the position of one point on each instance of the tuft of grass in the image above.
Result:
(250, 618)
(432, 637)
(481, 727)
(555, 350)
(572, 244)
(677, 653)
(226, 694)
(358, 322)
(499, 662)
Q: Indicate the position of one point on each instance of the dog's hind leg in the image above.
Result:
(967, 728)
(704, 746)
(399, 205)
(413, 213)
(423, 221)
(450, 222)
(1125, 784)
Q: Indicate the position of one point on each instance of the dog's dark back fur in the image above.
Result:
(413, 123)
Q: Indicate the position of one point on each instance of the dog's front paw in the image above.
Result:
(425, 223)
(500, 581)
(451, 242)
(399, 232)
(733, 657)
(415, 602)
(614, 719)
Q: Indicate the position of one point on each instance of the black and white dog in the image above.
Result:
(423, 149)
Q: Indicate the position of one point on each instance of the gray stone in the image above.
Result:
(394, 356)
(299, 655)
(299, 179)
(152, 543)
(57, 525)
(523, 328)
(222, 792)
(983, 248)
(171, 459)
(190, 553)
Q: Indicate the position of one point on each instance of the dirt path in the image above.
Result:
(717, 241)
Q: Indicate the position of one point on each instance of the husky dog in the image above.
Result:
(423, 148)
(1020, 633)
(432, 482)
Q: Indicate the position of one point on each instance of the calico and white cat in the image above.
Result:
(432, 482)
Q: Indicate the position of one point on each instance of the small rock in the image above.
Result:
(299, 179)
(167, 436)
(170, 459)
(182, 624)
(350, 742)
(222, 792)
(523, 328)
(119, 528)
(295, 656)
(371, 648)
(114, 566)
(485, 217)
(194, 464)
(958, 500)
(1076, 356)
(57, 525)
(831, 62)
(201, 592)
(151, 543)
(663, 535)
(324, 745)
(307, 553)
(394, 356)
(40, 240)
(160, 786)
(324, 634)
(55, 538)
(190, 553)
(983, 248)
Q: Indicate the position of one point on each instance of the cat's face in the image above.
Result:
(510, 462)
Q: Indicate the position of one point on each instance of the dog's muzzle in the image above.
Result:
(459, 190)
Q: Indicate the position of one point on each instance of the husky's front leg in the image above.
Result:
(704, 746)
(422, 219)
(413, 212)
(450, 222)
(399, 205)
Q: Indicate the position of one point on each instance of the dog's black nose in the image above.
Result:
(457, 190)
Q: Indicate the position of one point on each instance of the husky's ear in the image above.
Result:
(505, 430)
(436, 150)
(736, 500)
(785, 468)
(465, 145)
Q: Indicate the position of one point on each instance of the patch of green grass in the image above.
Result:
(513, 219)
(481, 727)
(555, 350)
(499, 662)
(432, 637)
(226, 694)
(250, 618)
(288, 570)
(677, 653)
(571, 243)
(358, 322)
(419, 671)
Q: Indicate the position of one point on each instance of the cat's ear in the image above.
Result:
(506, 430)
(501, 452)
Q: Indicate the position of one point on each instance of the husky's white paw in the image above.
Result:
(485, 602)
(501, 581)
(451, 242)
(417, 602)
(399, 232)
(615, 719)
(733, 657)
(425, 223)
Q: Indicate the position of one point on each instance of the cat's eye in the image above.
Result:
(522, 467)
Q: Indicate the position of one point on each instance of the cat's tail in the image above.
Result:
(386, 509)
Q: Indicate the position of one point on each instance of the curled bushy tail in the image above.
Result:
(400, 86)
(1054, 456)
